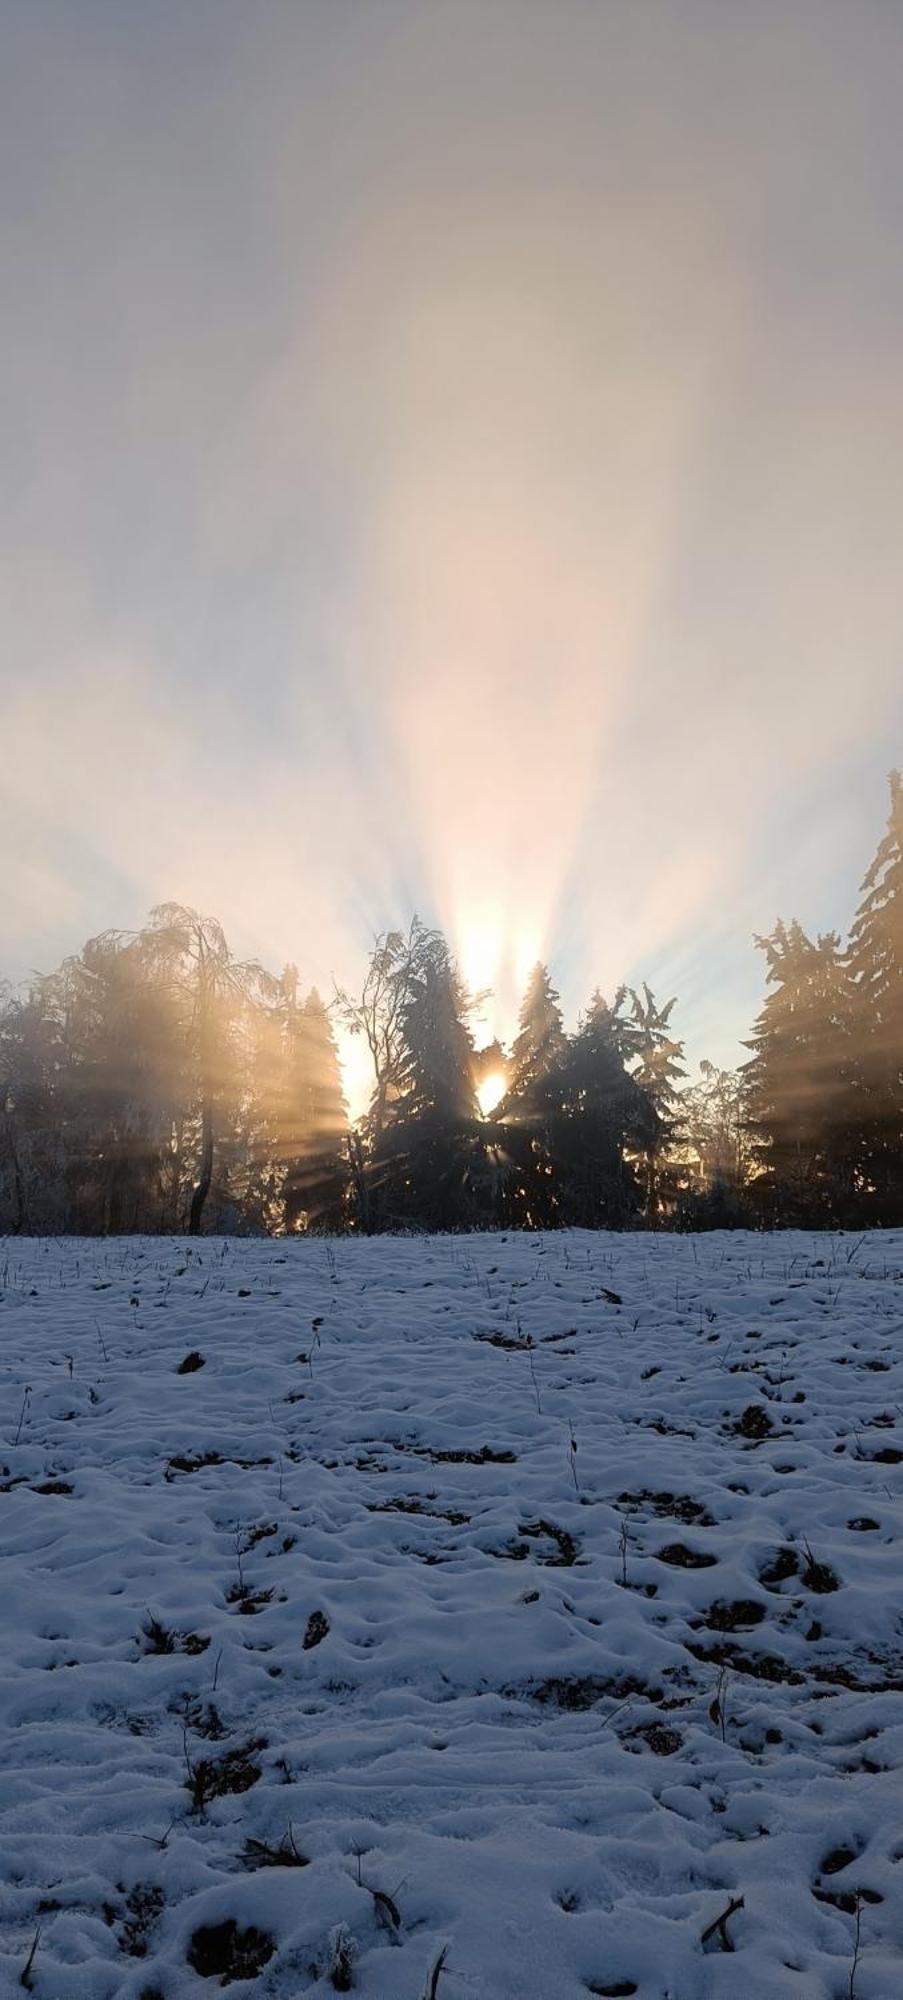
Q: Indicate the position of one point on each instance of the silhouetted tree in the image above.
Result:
(430, 1159)
(318, 1178)
(601, 1113)
(876, 971)
(658, 1069)
(397, 963)
(802, 1079)
(196, 958)
(540, 1043)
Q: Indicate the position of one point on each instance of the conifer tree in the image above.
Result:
(802, 1079)
(540, 1042)
(603, 1111)
(430, 1162)
(529, 1190)
(325, 1173)
(659, 1071)
(876, 970)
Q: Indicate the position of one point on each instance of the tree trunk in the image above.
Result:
(205, 1176)
(360, 1182)
(19, 1224)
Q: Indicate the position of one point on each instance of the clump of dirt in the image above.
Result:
(785, 1563)
(506, 1340)
(223, 1777)
(754, 1423)
(201, 1716)
(580, 1692)
(670, 1507)
(185, 1462)
(818, 1576)
(680, 1557)
(247, 1602)
(738, 1616)
(315, 1631)
(406, 1505)
(567, 1548)
(654, 1736)
(767, 1667)
(223, 1952)
(143, 1908)
(485, 1456)
(839, 1857)
(160, 1638)
(191, 1462)
(191, 1363)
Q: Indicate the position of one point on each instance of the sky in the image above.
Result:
(454, 463)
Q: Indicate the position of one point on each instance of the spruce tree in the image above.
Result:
(802, 1080)
(430, 1163)
(327, 1125)
(603, 1114)
(659, 1071)
(876, 970)
(540, 1042)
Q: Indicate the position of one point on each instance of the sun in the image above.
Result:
(490, 1092)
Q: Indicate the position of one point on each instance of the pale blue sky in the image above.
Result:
(454, 457)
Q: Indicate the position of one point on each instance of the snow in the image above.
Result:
(525, 1737)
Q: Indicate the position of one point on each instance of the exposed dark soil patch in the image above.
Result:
(192, 1462)
(670, 1507)
(191, 1363)
(506, 1340)
(785, 1563)
(485, 1456)
(196, 1462)
(223, 1952)
(225, 1776)
(841, 1676)
(247, 1602)
(759, 1666)
(754, 1424)
(839, 1857)
(654, 1736)
(582, 1691)
(315, 1630)
(260, 1534)
(565, 1545)
(143, 1908)
(863, 1524)
(680, 1557)
(160, 1638)
(818, 1576)
(453, 1515)
(738, 1616)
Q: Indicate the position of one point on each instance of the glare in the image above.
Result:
(490, 1092)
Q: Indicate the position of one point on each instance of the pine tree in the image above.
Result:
(430, 1163)
(325, 1170)
(659, 1071)
(541, 1042)
(802, 1080)
(603, 1113)
(876, 970)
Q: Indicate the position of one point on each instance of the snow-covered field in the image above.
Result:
(541, 1597)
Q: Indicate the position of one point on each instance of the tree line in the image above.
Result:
(155, 1083)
